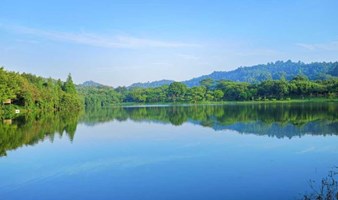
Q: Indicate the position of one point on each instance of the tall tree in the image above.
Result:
(69, 86)
(176, 91)
(208, 83)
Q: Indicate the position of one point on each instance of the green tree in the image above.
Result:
(69, 86)
(208, 83)
(218, 94)
(196, 94)
(176, 91)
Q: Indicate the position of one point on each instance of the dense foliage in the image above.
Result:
(99, 96)
(31, 92)
(36, 93)
(209, 90)
(151, 84)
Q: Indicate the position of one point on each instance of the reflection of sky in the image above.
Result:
(131, 160)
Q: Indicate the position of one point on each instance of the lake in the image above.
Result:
(249, 151)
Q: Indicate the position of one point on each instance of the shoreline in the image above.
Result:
(168, 104)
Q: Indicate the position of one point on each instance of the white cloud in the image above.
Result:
(188, 57)
(328, 46)
(96, 40)
(245, 52)
(306, 46)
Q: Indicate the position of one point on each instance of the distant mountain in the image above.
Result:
(91, 84)
(258, 73)
(334, 71)
(151, 84)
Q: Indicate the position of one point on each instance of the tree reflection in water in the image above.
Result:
(274, 120)
(33, 128)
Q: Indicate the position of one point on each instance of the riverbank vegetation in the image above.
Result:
(28, 92)
(299, 88)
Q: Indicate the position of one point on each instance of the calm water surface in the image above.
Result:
(179, 152)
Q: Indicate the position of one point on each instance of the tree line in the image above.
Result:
(36, 93)
(32, 92)
(262, 72)
(210, 90)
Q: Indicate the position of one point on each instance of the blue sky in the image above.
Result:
(122, 42)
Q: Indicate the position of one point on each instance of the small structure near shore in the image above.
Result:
(7, 101)
(7, 121)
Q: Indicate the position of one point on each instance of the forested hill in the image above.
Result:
(258, 73)
(91, 84)
(151, 84)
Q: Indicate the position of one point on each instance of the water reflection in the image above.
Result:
(275, 120)
(118, 150)
(32, 128)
